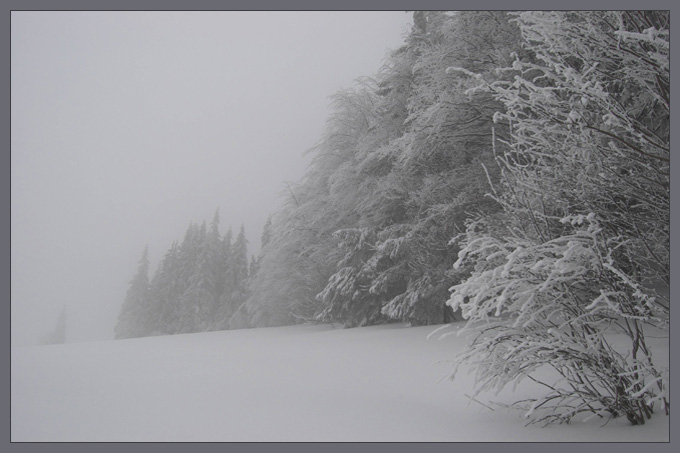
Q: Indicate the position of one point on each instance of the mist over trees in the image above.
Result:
(509, 169)
(198, 285)
(364, 237)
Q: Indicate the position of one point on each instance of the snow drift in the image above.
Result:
(301, 383)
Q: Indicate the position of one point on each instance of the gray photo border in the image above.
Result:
(149, 5)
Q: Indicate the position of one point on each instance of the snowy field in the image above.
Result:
(301, 383)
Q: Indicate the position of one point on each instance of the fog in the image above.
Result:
(127, 126)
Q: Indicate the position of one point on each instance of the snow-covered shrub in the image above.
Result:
(582, 251)
(560, 304)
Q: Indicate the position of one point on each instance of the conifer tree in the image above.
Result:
(238, 279)
(189, 283)
(253, 268)
(200, 298)
(164, 294)
(217, 258)
(130, 322)
(243, 316)
(224, 309)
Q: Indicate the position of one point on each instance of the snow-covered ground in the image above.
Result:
(301, 383)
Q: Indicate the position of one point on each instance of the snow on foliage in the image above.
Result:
(564, 118)
(581, 251)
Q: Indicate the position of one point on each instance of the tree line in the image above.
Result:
(198, 286)
(509, 169)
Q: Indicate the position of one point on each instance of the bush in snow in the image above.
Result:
(581, 251)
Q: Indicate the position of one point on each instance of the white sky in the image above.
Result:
(126, 126)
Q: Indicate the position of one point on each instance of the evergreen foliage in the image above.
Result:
(197, 286)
